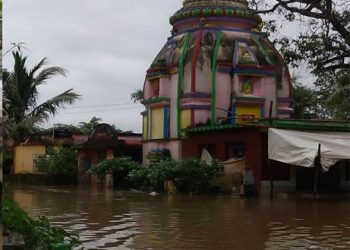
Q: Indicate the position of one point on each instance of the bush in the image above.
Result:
(152, 177)
(190, 175)
(120, 167)
(38, 234)
(61, 161)
(195, 176)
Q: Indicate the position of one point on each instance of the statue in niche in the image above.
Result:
(177, 50)
(206, 51)
(246, 55)
(247, 87)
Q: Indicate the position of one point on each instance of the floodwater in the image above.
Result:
(132, 220)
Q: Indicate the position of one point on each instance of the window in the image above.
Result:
(236, 150)
(36, 158)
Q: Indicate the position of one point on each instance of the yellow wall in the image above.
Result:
(145, 127)
(256, 111)
(185, 118)
(157, 123)
(24, 199)
(24, 156)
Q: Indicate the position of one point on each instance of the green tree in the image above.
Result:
(58, 161)
(118, 130)
(304, 102)
(87, 127)
(21, 111)
(334, 91)
(137, 96)
(323, 43)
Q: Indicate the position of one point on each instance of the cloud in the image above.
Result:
(105, 45)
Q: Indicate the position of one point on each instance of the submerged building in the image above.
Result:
(214, 79)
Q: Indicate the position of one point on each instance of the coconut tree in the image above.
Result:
(87, 127)
(21, 112)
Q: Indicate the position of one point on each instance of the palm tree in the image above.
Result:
(87, 127)
(21, 111)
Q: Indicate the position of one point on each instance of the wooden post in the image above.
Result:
(270, 113)
(317, 163)
(271, 178)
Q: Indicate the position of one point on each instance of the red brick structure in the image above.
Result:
(249, 142)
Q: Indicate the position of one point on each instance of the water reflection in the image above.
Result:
(127, 220)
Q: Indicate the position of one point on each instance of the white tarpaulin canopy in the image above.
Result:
(300, 148)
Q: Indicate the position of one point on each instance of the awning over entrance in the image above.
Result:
(300, 148)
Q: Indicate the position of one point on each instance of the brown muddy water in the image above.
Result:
(132, 220)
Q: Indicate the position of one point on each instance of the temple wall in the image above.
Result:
(223, 94)
(258, 88)
(236, 85)
(146, 89)
(270, 94)
(174, 147)
(185, 118)
(164, 87)
(201, 116)
(173, 105)
(186, 87)
(203, 79)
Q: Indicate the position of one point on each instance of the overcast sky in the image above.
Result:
(105, 45)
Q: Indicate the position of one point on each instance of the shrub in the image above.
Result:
(61, 161)
(38, 234)
(190, 175)
(121, 164)
(120, 167)
(154, 175)
(195, 176)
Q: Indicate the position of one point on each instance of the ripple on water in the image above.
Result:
(304, 237)
(199, 222)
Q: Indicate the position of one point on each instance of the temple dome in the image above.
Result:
(213, 13)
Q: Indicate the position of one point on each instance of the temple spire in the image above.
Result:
(196, 12)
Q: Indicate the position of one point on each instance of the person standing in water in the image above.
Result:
(248, 181)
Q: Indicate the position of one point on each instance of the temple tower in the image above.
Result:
(216, 70)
